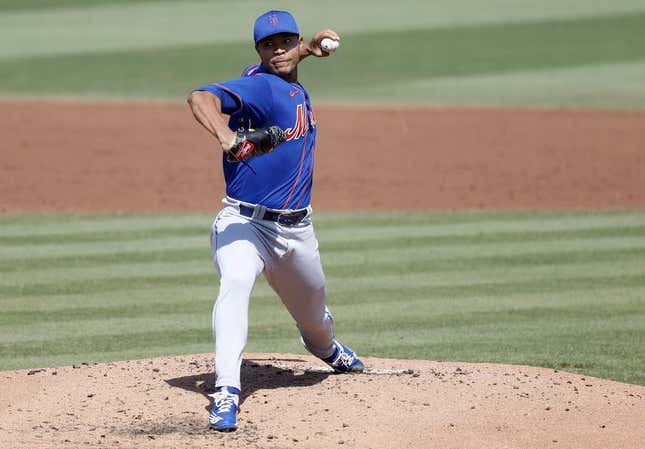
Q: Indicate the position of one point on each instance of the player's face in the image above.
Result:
(280, 54)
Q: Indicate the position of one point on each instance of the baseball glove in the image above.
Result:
(255, 142)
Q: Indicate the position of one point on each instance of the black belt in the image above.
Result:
(284, 218)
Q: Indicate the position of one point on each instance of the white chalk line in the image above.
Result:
(327, 370)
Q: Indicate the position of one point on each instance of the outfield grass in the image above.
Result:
(562, 290)
(553, 53)
(553, 289)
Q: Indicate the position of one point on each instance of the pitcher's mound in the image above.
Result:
(293, 401)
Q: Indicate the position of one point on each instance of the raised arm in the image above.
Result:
(313, 46)
(241, 144)
(207, 109)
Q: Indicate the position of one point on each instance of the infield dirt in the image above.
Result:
(137, 157)
(150, 158)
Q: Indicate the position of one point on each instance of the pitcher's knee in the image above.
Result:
(236, 284)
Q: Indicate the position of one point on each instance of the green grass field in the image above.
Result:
(501, 52)
(560, 290)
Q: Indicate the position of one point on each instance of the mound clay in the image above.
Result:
(151, 158)
(290, 401)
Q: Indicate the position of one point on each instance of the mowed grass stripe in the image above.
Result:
(426, 316)
(609, 351)
(479, 50)
(468, 221)
(540, 345)
(607, 348)
(440, 234)
(418, 303)
(386, 277)
(336, 264)
(422, 255)
(134, 355)
(481, 234)
(105, 236)
(85, 226)
(109, 322)
(418, 299)
(35, 5)
(594, 316)
(438, 313)
(444, 342)
(506, 47)
(83, 246)
(388, 261)
(122, 271)
(100, 24)
(36, 225)
(97, 285)
(631, 223)
(602, 85)
(582, 274)
(9, 266)
(107, 247)
(147, 303)
(363, 292)
(491, 249)
(173, 294)
(361, 249)
(623, 318)
(456, 51)
(420, 313)
(344, 263)
(441, 223)
(90, 310)
(162, 24)
(181, 293)
(104, 343)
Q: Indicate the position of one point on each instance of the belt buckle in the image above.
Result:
(291, 218)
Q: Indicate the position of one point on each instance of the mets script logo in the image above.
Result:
(300, 127)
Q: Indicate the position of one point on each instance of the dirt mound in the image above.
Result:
(149, 158)
(292, 401)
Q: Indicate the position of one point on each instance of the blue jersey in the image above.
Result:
(283, 178)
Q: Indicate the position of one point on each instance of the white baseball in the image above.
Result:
(329, 45)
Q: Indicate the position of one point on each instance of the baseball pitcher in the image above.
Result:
(265, 124)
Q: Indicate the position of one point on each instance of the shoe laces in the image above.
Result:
(345, 359)
(223, 401)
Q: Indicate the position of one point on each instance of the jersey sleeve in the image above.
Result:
(248, 95)
(253, 69)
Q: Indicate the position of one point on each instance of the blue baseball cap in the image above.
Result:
(274, 22)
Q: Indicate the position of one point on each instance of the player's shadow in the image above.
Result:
(254, 376)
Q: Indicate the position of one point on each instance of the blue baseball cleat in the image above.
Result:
(343, 360)
(223, 415)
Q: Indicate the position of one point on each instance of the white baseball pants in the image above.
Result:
(244, 247)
